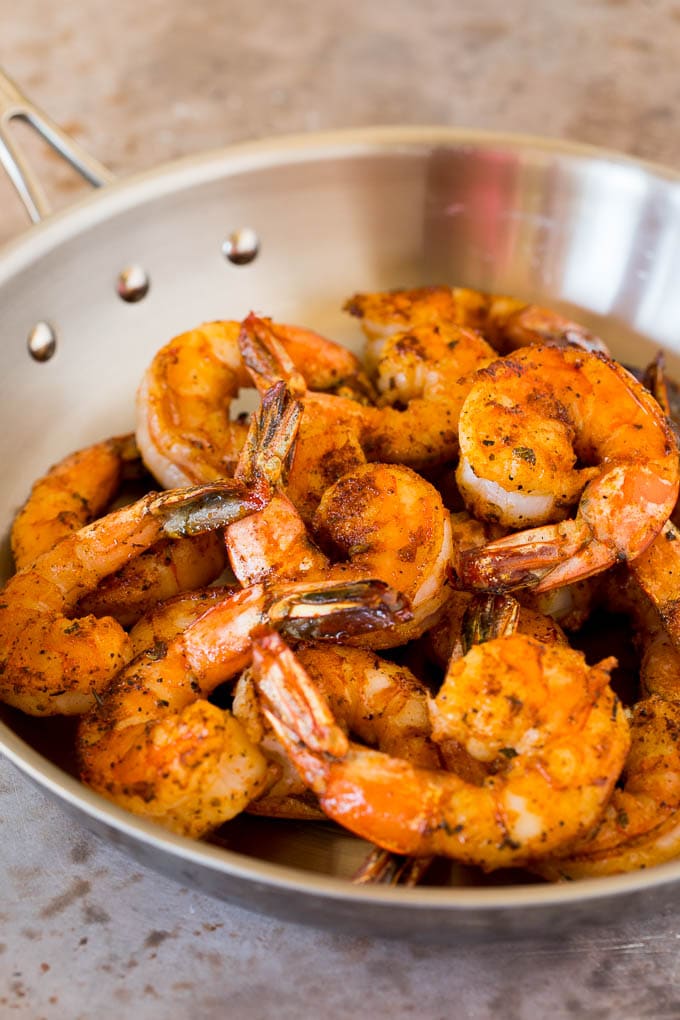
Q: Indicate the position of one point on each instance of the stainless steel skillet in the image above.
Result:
(558, 223)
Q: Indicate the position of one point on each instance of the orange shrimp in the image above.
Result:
(155, 745)
(184, 430)
(53, 663)
(526, 424)
(507, 323)
(547, 721)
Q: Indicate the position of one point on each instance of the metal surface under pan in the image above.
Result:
(569, 226)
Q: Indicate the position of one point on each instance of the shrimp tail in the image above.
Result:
(488, 616)
(382, 867)
(521, 560)
(266, 358)
(312, 767)
(337, 610)
(202, 508)
(270, 444)
(299, 708)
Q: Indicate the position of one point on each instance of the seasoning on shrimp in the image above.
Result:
(184, 429)
(547, 722)
(382, 703)
(53, 663)
(546, 427)
(507, 323)
(73, 493)
(158, 747)
(421, 377)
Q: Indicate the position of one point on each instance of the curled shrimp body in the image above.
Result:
(53, 663)
(79, 489)
(380, 520)
(539, 715)
(184, 430)
(527, 424)
(332, 429)
(423, 376)
(422, 380)
(155, 745)
(383, 704)
(388, 522)
(159, 573)
(72, 493)
(641, 824)
(506, 322)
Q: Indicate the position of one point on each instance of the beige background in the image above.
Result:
(142, 83)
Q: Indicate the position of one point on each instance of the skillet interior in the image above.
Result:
(589, 233)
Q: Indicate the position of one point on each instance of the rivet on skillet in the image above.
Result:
(242, 246)
(42, 341)
(133, 284)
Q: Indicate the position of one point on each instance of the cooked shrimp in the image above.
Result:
(506, 322)
(167, 569)
(75, 492)
(52, 663)
(172, 567)
(657, 572)
(183, 564)
(473, 619)
(548, 722)
(184, 430)
(385, 520)
(641, 824)
(380, 520)
(422, 377)
(72, 493)
(157, 747)
(168, 619)
(380, 702)
(527, 424)
(332, 428)
(390, 523)
(452, 636)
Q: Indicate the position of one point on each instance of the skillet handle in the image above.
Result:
(15, 106)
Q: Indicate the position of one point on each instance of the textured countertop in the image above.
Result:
(85, 932)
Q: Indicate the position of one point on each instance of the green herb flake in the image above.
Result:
(525, 453)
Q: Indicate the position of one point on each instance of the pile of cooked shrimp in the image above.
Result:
(385, 562)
